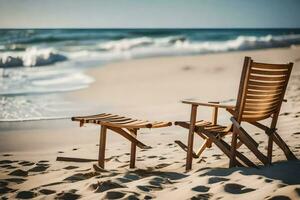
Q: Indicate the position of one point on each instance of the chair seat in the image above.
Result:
(206, 126)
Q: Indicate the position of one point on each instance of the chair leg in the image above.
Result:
(279, 141)
(270, 148)
(133, 150)
(232, 162)
(202, 148)
(101, 156)
(189, 157)
(239, 144)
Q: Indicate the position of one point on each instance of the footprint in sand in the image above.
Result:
(75, 149)
(200, 188)
(43, 161)
(7, 161)
(47, 191)
(71, 167)
(68, 195)
(8, 167)
(7, 155)
(158, 181)
(19, 172)
(15, 180)
(148, 188)
(205, 196)
(39, 168)
(268, 180)
(105, 185)
(26, 163)
(114, 195)
(187, 68)
(81, 176)
(213, 180)
(152, 157)
(26, 195)
(128, 178)
(148, 197)
(133, 197)
(279, 197)
(3, 188)
(162, 165)
(162, 158)
(298, 191)
(234, 188)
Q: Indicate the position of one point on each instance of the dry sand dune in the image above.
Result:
(151, 89)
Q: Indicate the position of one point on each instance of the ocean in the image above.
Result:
(37, 65)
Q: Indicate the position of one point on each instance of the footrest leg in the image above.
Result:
(133, 150)
(101, 157)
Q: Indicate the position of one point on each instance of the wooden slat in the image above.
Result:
(265, 88)
(254, 118)
(268, 72)
(264, 92)
(270, 66)
(269, 84)
(268, 98)
(263, 101)
(126, 122)
(161, 124)
(122, 119)
(260, 108)
(137, 124)
(78, 118)
(92, 119)
(267, 78)
(261, 104)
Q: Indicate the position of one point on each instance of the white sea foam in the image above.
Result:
(31, 57)
(127, 44)
(26, 108)
(241, 42)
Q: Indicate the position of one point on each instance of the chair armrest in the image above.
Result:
(209, 104)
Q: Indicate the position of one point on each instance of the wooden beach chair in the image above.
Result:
(126, 127)
(261, 93)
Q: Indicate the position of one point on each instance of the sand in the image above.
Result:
(151, 89)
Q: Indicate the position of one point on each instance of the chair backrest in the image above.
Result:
(262, 89)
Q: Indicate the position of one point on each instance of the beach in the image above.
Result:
(151, 89)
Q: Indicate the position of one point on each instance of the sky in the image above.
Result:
(149, 13)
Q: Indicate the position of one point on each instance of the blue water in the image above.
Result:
(38, 64)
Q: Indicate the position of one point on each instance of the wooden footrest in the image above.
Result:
(112, 120)
(125, 126)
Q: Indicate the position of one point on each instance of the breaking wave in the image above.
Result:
(31, 57)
